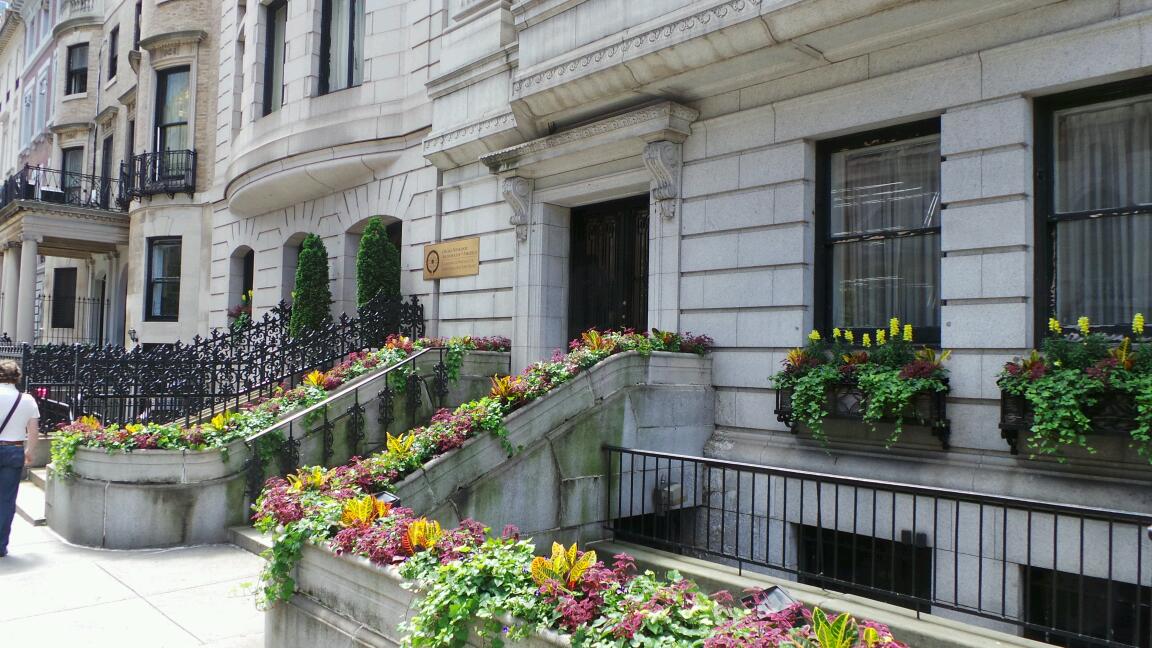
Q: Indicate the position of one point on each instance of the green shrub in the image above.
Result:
(312, 297)
(377, 264)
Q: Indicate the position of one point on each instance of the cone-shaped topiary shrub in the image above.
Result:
(377, 264)
(312, 297)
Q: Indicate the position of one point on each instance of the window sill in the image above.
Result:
(74, 97)
(162, 319)
(109, 83)
(337, 91)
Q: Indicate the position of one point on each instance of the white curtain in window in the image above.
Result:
(357, 41)
(884, 190)
(1104, 161)
(339, 33)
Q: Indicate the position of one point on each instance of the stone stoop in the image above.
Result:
(249, 539)
(30, 499)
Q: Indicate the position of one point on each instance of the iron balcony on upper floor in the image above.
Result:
(160, 172)
(41, 184)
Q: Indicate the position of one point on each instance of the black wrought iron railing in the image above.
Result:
(377, 392)
(160, 172)
(41, 184)
(1069, 575)
(70, 320)
(189, 381)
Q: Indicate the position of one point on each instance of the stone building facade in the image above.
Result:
(674, 164)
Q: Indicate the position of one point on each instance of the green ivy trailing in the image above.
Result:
(1073, 371)
(312, 296)
(883, 365)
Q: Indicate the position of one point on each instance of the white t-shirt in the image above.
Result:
(17, 428)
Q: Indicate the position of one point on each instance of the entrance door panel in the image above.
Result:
(609, 266)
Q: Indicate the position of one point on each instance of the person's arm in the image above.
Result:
(32, 442)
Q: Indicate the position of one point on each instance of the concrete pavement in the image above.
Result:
(53, 594)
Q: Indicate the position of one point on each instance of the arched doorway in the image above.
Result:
(241, 280)
(289, 256)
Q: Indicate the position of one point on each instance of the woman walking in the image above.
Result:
(19, 434)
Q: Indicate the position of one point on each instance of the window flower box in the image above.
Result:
(871, 379)
(846, 401)
(1113, 415)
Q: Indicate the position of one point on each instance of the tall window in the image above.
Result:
(173, 102)
(163, 290)
(341, 44)
(113, 51)
(277, 20)
(72, 167)
(1094, 202)
(77, 78)
(879, 222)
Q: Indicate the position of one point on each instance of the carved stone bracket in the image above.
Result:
(663, 161)
(517, 192)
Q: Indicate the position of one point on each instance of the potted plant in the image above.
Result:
(1078, 384)
(881, 377)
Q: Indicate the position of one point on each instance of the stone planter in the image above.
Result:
(847, 402)
(348, 601)
(1113, 415)
(161, 498)
(160, 466)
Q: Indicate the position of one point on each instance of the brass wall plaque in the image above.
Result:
(459, 258)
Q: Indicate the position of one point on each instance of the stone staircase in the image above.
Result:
(30, 499)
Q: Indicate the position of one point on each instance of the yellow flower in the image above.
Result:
(1138, 324)
(881, 337)
(867, 341)
(1084, 325)
(907, 332)
(814, 336)
(836, 333)
(850, 337)
(1054, 325)
(894, 326)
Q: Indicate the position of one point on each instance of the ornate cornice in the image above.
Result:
(474, 130)
(696, 24)
(666, 111)
(517, 193)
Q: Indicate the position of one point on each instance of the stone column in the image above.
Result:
(11, 287)
(26, 301)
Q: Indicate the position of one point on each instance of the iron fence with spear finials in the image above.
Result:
(165, 383)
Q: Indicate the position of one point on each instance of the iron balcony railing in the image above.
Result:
(41, 184)
(161, 172)
(1069, 575)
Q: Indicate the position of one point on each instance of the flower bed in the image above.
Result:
(227, 428)
(883, 379)
(1080, 383)
(476, 589)
(286, 501)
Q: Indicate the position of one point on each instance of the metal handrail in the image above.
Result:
(1027, 563)
(972, 497)
(353, 387)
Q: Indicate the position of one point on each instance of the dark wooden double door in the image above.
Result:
(608, 285)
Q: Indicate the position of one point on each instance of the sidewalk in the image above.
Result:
(53, 594)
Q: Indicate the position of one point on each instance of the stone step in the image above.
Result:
(38, 476)
(30, 503)
(249, 539)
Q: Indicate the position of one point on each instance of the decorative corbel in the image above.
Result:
(517, 192)
(663, 161)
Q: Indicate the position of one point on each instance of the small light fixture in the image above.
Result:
(771, 600)
(387, 498)
(132, 335)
